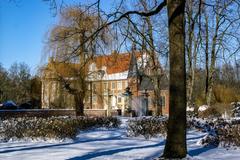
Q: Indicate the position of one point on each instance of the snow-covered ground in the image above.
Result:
(108, 144)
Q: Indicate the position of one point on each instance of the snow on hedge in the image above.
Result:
(203, 108)
(220, 132)
(52, 127)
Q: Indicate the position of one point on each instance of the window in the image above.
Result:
(119, 85)
(162, 101)
(88, 99)
(105, 86)
(94, 99)
(94, 87)
(119, 99)
(113, 85)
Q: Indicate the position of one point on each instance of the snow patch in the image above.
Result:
(190, 109)
(203, 108)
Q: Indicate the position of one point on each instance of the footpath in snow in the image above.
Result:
(108, 144)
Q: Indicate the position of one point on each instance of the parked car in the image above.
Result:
(9, 105)
(26, 105)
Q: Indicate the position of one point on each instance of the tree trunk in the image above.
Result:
(211, 69)
(192, 50)
(155, 67)
(206, 60)
(79, 105)
(210, 81)
(176, 135)
(157, 92)
(192, 69)
(190, 31)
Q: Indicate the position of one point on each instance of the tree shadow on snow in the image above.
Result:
(194, 138)
(197, 151)
(114, 151)
(59, 145)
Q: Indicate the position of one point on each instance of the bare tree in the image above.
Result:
(19, 75)
(219, 23)
(4, 84)
(193, 39)
(152, 52)
(69, 49)
(15, 83)
(143, 33)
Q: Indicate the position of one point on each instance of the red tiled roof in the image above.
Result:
(114, 63)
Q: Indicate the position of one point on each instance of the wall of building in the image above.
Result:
(165, 94)
(54, 96)
(105, 93)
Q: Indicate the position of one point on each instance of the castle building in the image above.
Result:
(118, 83)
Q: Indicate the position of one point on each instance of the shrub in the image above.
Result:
(216, 110)
(208, 140)
(147, 127)
(229, 135)
(220, 131)
(210, 113)
(52, 127)
(225, 94)
(236, 109)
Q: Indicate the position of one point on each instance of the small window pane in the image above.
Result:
(119, 85)
(162, 101)
(119, 99)
(94, 99)
(113, 85)
(105, 86)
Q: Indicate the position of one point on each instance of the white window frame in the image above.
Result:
(119, 85)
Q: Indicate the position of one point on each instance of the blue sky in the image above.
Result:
(22, 29)
(23, 26)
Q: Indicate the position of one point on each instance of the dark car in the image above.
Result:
(26, 105)
(9, 105)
